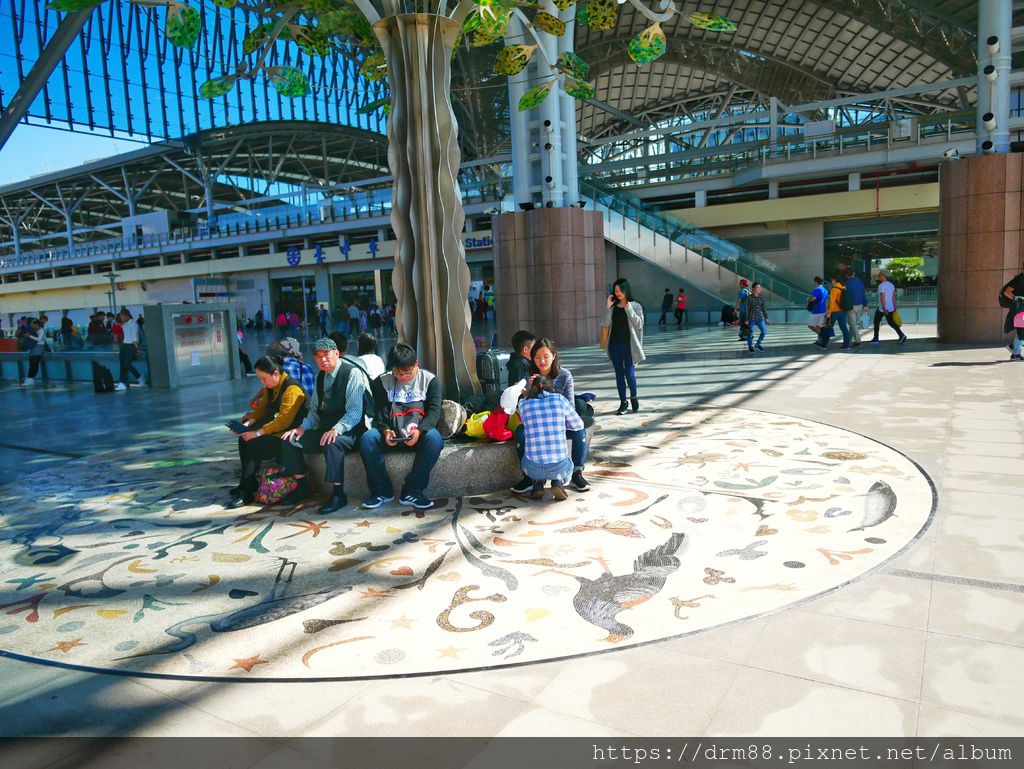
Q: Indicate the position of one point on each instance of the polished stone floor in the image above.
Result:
(930, 644)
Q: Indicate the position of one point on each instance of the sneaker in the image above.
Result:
(844, 347)
(537, 492)
(524, 485)
(902, 339)
(622, 408)
(819, 346)
(417, 500)
(875, 341)
(578, 482)
(1015, 356)
(557, 491)
(759, 348)
(376, 501)
(28, 381)
(750, 349)
(120, 387)
(634, 403)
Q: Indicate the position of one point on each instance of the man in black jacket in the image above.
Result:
(519, 361)
(333, 425)
(408, 401)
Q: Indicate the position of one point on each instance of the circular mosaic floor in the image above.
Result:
(695, 519)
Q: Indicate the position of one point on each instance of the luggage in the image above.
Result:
(102, 378)
(8, 345)
(488, 371)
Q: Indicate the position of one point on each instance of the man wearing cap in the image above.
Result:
(333, 425)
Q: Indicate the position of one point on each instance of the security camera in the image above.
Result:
(951, 154)
(988, 147)
(547, 126)
(989, 121)
(548, 179)
(990, 73)
(993, 45)
(549, 146)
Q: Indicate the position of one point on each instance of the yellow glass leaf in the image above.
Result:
(559, 4)
(712, 22)
(513, 59)
(548, 23)
(602, 14)
(374, 67)
(535, 96)
(648, 45)
(578, 89)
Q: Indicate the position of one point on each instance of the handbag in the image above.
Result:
(1018, 320)
(810, 304)
(475, 424)
(896, 318)
(273, 486)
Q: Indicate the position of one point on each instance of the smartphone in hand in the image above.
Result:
(236, 426)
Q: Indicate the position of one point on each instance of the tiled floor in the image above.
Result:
(931, 644)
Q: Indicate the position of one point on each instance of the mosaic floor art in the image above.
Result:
(128, 562)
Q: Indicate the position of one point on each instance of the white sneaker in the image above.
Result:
(29, 381)
(119, 387)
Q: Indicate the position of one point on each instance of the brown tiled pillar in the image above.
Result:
(549, 274)
(980, 222)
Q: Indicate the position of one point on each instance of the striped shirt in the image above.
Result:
(545, 420)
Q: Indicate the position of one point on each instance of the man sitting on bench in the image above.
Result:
(408, 401)
(332, 426)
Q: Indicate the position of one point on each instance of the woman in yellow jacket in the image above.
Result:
(835, 314)
(278, 407)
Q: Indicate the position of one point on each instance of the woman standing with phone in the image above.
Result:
(622, 335)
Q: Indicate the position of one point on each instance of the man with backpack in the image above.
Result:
(855, 299)
(333, 425)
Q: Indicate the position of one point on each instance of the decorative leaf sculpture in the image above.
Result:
(218, 86)
(495, 23)
(572, 65)
(289, 81)
(582, 16)
(559, 4)
(255, 37)
(373, 106)
(579, 89)
(316, 6)
(535, 96)
(480, 39)
(471, 23)
(374, 68)
(648, 45)
(70, 6)
(182, 25)
(712, 22)
(226, 4)
(513, 59)
(602, 14)
(312, 41)
(548, 23)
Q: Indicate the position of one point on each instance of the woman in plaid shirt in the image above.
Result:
(546, 416)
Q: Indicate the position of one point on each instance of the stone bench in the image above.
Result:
(464, 468)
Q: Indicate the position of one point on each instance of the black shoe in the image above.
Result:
(235, 491)
(337, 501)
(537, 491)
(902, 339)
(524, 485)
(300, 493)
(622, 407)
(557, 491)
(1015, 356)
(239, 500)
(578, 482)
(635, 403)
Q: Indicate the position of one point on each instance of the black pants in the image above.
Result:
(334, 454)
(246, 363)
(679, 317)
(127, 355)
(33, 365)
(661, 320)
(888, 319)
(255, 451)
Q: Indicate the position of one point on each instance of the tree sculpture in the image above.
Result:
(411, 44)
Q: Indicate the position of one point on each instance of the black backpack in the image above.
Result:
(102, 378)
(845, 300)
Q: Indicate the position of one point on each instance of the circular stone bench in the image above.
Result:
(464, 468)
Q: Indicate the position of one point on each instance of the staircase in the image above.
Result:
(710, 263)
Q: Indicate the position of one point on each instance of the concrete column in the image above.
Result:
(995, 20)
(980, 223)
(854, 182)
(773, 190)
(323, 287)
(700, 199)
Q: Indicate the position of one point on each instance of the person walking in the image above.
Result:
(666, 305)
(353, 320)
(281, 322)
(129, 348)
(817, 306)
(1012, 298)
(857, 296)
(741, 308)
(757, 317)
(325, 320)
(622, 335)
(681, 315)
(836, 314)
(33, 342)
(887, 308)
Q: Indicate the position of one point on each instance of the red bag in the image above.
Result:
(496, 426)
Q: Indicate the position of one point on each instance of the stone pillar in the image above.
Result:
(980, 221)
(550, 274)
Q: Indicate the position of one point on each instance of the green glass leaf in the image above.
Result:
(480, 39)
(336, 22)
(535, 96)
(548, 23)
(602, 14)
(313, 42)
(182, 26)
(374, 68)
(70, 6)
(316, 6)
(559, 4)
(648, 45)
(228, 4)
(582, 16)
(495, 22)
(712, 22)
(387, 109)
(289, 81)
(572, 65)
(373, 106)
(471, 23)
(513, 59)
(255, 37)
(579, 89)
(218, 86)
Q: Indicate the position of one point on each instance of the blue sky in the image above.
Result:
(33, 150)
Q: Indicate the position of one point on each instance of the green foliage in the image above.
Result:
(226, 4)
(70, 6)
(313, 41)
(905, 269)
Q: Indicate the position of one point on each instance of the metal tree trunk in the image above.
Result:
(431, 277)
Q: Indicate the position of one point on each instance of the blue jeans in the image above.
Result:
(555, 471)
(1018, 341)
(759, 324)
(578, 451)
(372, 448)
(839, 316)
(622, 360)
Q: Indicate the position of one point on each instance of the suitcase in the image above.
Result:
(488, 371)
